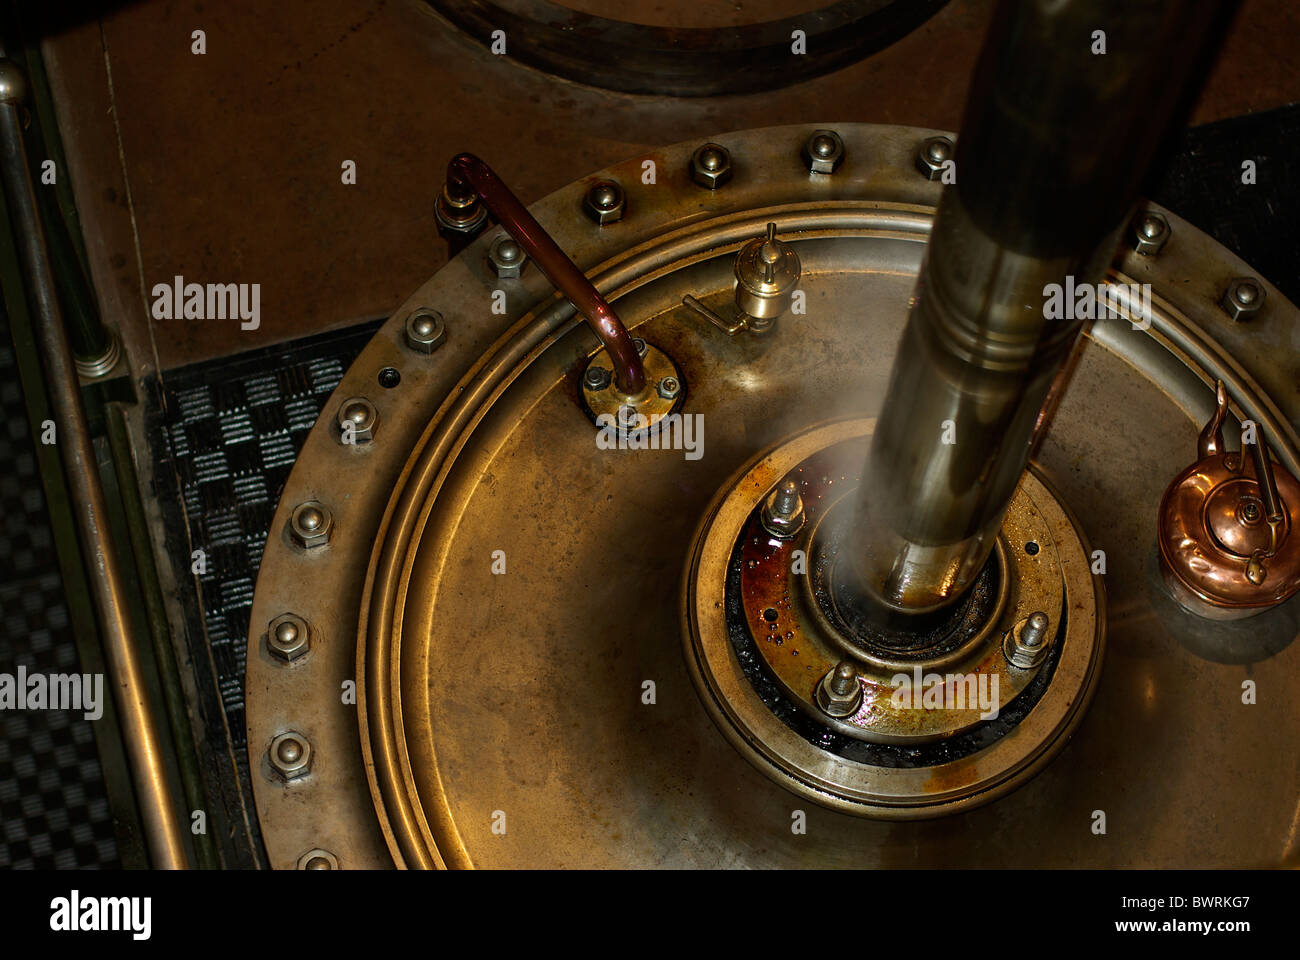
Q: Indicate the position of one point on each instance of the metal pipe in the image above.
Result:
(1069, 103)
(467, 173)
(141, 730)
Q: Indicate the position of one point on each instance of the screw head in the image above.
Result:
(1243, 299)
(425, 330)
(290, 756)
(318, 860)
(669, 388)
(310, 524)
(507, 257)
(823, 152)
(357, 420)
(711, 166)
(604, 202)
(288, 637)
(933, 153)
(1150, 233)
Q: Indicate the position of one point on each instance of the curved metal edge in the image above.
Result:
(686, 62)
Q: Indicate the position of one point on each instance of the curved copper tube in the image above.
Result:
(466, 171)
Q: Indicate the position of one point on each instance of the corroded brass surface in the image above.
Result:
(799, 644)
(953, 781)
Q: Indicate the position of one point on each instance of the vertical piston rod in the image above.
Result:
(1069, 103)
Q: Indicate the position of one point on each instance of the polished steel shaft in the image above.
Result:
(1069, 103)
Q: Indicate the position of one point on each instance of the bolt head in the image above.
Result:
(711, 166)
(288, 637)
(357, 418)
(425, 330)
(1150, 233)
(933, 153)
(604, 202)
(507, 257)
(1243, 299)
(823, 152)
(318, 860)
(290, 755)
(669, 388)
(640, 346)
(310, 524)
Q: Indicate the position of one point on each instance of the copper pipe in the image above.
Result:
(467, 173)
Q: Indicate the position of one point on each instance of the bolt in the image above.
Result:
(711, 166)
(640, 346)
(425, 330)
(1035, 629)
(934, 153)
(597, 378)
(1250, 511)
(843, 678)
(823, 152)
(1243, 299)
(310, 524)
(1025, 645)
(507, 257)
(290, 756)
(604, 202)
(363, 417)
(1150, 232)
(288, 637)
(669, 387)
(318, 860)
(839, 694)
(782, 514)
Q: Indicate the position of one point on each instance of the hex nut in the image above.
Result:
(604, 202)
(290, 755)
(425, 330)
(782, 523)
(361, 414)
(288, 637)
(597, 378)
(669, 388)
(318, 859)
(507, 257)
(933, 153)
(310, 524)
(1243, 299)
(836, 704)
(1150, 233)
(823, 152)
(711, 165)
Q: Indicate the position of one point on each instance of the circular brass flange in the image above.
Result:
(759, 647)
(608, 406)
(790, 616)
